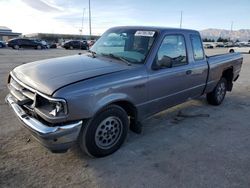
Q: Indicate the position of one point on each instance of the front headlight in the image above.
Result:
(51, 108)
(58, 107)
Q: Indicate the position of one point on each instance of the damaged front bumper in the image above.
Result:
(56, 138)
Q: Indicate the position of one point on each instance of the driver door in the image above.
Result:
(169, 81)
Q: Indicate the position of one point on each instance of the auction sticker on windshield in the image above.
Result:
(145, 33)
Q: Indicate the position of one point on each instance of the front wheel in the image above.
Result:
(217, 96)
(105, 133)
(231, 51)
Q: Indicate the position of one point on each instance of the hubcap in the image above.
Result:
(108, 132)
(221, 90)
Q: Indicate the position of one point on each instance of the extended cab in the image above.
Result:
(130, 74)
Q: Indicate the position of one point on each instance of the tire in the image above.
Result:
(217, 96)
(105, 133)
(249, 52)
(71, 47)
(1, 46)
(16, 47)
(39, 47)
(231, 51)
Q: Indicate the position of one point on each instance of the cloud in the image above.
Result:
(42, 6)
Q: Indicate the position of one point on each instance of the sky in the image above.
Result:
(65, 16)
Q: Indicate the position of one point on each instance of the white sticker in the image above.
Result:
(145, 33)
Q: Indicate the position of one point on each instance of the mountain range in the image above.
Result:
(241, 35)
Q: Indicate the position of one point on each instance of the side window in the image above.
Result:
(25, 42)
(172, 52)
(31, 42)
(197, 47)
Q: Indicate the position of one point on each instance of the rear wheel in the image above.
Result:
(105, 133)
(217, 96)
(71, 47)
(231, 51)
(39, 47)
(16, 47)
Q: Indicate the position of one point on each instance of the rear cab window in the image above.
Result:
(198, 52)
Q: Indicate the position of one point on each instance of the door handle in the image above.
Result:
(188, 72)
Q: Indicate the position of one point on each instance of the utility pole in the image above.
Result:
(232, 23)
(89, 21)
(181, 20)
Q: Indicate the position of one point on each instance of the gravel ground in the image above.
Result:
(208, 147)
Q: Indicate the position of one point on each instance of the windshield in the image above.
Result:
(130, 44)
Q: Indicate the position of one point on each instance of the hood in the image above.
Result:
(49, 75)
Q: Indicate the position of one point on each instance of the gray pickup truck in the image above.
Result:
(130, 74)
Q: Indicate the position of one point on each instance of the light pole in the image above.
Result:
(89, 21)
(181, 20)
(83, 12)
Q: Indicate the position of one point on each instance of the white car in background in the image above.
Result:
(243, 49)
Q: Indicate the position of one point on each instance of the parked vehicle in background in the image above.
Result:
(244, 44)
(229, 45)
(93, 99)
(91, 42)
(239, 49)
(220, 46)
(2, 44)
(52, 45)
(26, 43)
(208, 46)
(76, 44)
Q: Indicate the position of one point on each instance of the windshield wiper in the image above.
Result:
(117, 57)
(93, 54)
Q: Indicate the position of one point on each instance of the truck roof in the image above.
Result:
(156, 28)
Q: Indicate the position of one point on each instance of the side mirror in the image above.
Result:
(165, 62)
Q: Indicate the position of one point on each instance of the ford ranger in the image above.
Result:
(130, 74)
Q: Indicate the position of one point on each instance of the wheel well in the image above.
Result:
(128, 107)
(228, 75)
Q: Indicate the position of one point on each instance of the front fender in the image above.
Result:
(109, 99)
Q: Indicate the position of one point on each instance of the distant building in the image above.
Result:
(60, 37)
(7, 34)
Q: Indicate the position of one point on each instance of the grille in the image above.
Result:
(22, 95)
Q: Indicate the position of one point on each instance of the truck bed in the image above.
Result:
(219, 63)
